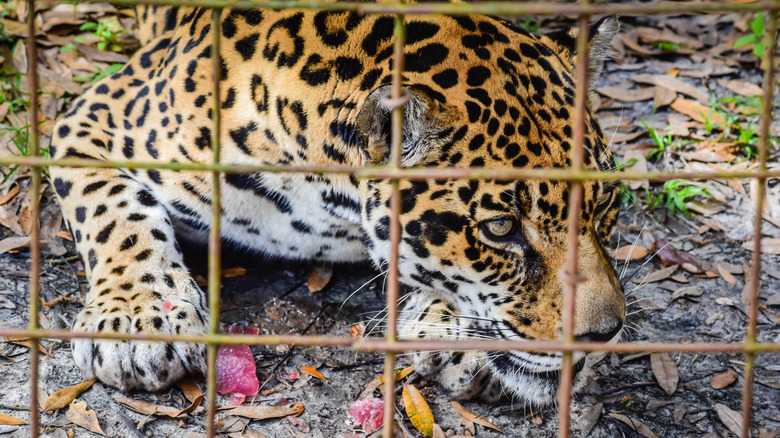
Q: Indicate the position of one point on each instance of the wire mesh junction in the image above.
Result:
(390, 345)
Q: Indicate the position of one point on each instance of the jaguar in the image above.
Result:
(482, 258)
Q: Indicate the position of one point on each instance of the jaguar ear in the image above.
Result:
(600, 36)
(427, 125)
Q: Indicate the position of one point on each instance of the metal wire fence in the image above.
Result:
(390, 344)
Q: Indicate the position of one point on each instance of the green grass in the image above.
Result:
(107, 32)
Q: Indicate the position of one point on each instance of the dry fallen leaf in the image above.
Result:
(637, 425)
(11, 243)
(313, 372)
(589, 418)
(378, 381)
(670, 256)
(661, 274)
(697, 111)
(65, 396)
(357, 331)
(151, 409)
(687, 291)
(474, 417)
(190, 389)
(233, 272)
(418, 410)
(8, 420)
(319, 277)
(630, 252)
(723, 380)
(438, 432)
(665, 371)
(726, 275)
(731, 418)
(673, 84)
(263, 412)
(623, 95)
(744, 88)
(80, 414)
(768, 246)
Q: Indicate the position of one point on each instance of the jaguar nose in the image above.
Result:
(603, 333)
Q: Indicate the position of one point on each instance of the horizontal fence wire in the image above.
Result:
(390, 344)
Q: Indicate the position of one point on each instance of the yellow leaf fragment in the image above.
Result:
(80, 414)
(8, 420)
(233, 272)
(313, 372)
(319, 277)
(263, 412)
(697, 111)
(474, 418)
(378, 381)
(418, 410)
(65, 396)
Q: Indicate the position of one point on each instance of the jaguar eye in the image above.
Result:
(498, 228)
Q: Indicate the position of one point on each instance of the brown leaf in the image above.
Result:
(687, 291)
(663, 96)
(630, 252)
(313, 372)
(233, 272)
(665, 371)
(418, 410)
(8, 420)
(674, 84)
(150, 409)
(25, 342)
(474, 417)
(319, 277)
(661, 274)
(639, 166)
(768, 246)
(624, 95)
(671, 256)
(731, 418)
(263, 412)
(744, 88)
(65, 396)
(723, 380)
(726, 275)
(438, 432)
(190, 389)
(697, 111)
(11, 243)
(637, 425)
(589, 418)
(80, 414)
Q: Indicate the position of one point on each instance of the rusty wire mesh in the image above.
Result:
(390, 345)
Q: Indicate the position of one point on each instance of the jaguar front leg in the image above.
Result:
(138, 283)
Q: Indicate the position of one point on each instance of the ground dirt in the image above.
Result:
(620, 388)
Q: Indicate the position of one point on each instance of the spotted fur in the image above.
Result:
(306, 88)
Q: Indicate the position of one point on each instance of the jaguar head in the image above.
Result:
(485, 259)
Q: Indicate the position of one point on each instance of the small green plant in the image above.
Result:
(665, 45)
(663, 140)
(675, 194)
(756, 38)
(95, 77)
(107, 31)
(20, 138)
(529, 24)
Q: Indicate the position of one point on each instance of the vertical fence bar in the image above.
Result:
(755, 272)
(35, 207)
(215, 270)
(393, 287)
(575, 207)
